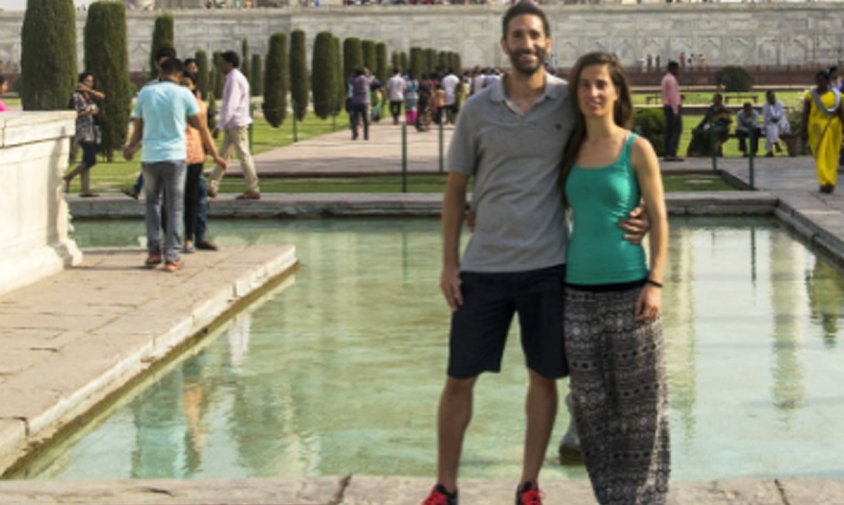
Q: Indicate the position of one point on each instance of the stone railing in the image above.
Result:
(34, 239)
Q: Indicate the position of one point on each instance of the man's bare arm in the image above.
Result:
(454, 201)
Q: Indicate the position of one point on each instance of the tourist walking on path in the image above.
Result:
(613, 334)
(514, 261)
(234, 122)
(672, 107)
(450, 84)
(199, 144)
(775, 123)
(360, 83)
(162, 113)
(396, 87)
(84, 103)
(822, 119)
(411, 99)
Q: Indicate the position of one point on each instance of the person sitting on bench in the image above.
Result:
(713, 129)
(747, 126)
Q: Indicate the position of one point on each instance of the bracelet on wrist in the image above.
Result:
(654, 283)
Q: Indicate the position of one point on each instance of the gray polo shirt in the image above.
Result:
(515, 162)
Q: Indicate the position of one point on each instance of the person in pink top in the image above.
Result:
(672, 108)
(4, 87)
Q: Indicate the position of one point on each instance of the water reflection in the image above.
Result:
(825, 286)
(340, 373)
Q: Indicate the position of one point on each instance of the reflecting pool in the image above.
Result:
(339, 371)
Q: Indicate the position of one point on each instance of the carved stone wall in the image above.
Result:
(744, 34)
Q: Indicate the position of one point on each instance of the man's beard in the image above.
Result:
(528, 68)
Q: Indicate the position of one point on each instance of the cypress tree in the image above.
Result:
(417, 62)
(299, 74)
(257, 85)
(212, 111)
(381, 61)
(430, 60)
(442, 59)
(244, 61)
(107, 58)
(219, 81)
(369, 57)
(276, 81)
(404, 62)
(48, 54)
(203, 78)
(163, 35)
(352, 56)
(324, 68)
(395, 61)
(456, 63)
(340, 79)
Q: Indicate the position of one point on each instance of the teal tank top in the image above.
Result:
(600, 198)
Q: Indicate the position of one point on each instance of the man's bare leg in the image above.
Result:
(541, 409)
(453, 418)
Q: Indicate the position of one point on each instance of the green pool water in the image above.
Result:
(338, 371)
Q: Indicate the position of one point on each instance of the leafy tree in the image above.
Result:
(106, 57)
(299, 74)
(257, 85)
(276, 80)
(48, 54)
(203, 78)
(734, 78)
(163, 35)
(324, 68)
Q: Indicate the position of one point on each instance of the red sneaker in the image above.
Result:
(528, 494)
(439, 496)
(173, 266)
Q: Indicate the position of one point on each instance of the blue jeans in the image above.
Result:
(202, 214)
(164, 179)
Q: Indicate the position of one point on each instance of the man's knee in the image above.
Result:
(542, 384)
(456, 388)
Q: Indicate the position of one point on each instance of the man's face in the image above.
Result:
(226, 66)
(192, 68)
(772, 98)
(716, 99)
(526, 44)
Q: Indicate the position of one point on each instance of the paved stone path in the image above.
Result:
(71, 340)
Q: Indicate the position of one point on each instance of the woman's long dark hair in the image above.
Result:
(622, 115)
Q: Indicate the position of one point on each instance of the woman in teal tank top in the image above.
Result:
(613, 334)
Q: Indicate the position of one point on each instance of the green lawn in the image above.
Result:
(433, 183)
(111, 177)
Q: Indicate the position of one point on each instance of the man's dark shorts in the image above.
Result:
(479, 327)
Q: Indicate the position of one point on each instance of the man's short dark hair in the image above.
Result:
(673, 65)
(520, 9)
(188, 61)
(165, 52)
(231, 57)
(172, 66)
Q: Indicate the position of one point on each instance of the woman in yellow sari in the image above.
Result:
(822, 120)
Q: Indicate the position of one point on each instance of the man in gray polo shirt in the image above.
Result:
(510, 138)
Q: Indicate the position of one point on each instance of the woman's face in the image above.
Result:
(88, 81)
(4, 87)
(188, 83)
(596, 93)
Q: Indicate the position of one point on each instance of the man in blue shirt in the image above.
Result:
(162, 113)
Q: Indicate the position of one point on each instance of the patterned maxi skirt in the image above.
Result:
(619, 396)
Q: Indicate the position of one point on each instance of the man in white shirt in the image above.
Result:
(775, 123)
(396, 87)
(234, 122)
(449, 84)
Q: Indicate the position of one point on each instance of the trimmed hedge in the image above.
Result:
(369, 54)
(257, 77)
(219, 81)
(276, 81)
(352, 56)
(650, 123)
(340, 78)
(381, 61)
(245, 68)
(417, 62)
(48, 54)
